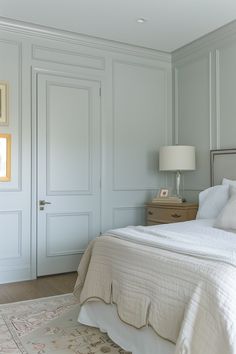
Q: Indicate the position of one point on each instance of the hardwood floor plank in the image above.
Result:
(40, 287)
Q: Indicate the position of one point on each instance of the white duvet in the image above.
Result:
(180, 279)
(196, 238)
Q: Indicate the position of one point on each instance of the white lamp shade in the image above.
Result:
(177, 158)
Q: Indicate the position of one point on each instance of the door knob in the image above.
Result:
(43, 202)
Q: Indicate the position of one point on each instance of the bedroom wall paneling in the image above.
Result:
(204, 100)
(140, 124)
(15, 195)
(193, 116)
(127, 92)
(225, 94)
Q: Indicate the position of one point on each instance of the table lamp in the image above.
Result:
(177, 158)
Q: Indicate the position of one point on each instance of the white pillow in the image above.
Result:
(227, 217)
(229, 182)
(212, 201)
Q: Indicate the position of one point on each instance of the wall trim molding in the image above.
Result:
(64, 74)
(209, 118)
(116, 188)
(30, 29)
(207, 42)
(176, 107)
(218, 117)
(210, 101)
(20, 88)
(208, 56)
(18, 187)
(99, 59)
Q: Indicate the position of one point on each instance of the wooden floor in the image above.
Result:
(41, 287)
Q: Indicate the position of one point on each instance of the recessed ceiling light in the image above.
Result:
(141, 20)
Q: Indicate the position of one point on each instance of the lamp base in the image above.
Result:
(178, 178)
(178, 181)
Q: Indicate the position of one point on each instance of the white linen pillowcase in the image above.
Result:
(229, 182)
(227, 218)
(211, 201)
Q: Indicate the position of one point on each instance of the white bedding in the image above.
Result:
(204, 284)
(195, 238)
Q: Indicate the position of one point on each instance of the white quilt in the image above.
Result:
(196, 238)
(180, 279)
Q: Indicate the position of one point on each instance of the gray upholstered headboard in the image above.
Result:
(223, 165)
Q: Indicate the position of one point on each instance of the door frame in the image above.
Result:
(35, 72)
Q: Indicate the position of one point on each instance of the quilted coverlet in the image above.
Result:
(189, 299)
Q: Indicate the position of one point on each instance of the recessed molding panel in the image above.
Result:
(69, 139)
(11, 235)
(193, 116)
(225, 95)
(140, 125)
(11, 73)
(67, 57)
(67, 233)
(125, 216)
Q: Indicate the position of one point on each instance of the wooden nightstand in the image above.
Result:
(158, 213)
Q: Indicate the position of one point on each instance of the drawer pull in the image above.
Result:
(150, 213)
(175, 215)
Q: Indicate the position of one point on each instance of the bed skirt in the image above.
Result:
(137, 341)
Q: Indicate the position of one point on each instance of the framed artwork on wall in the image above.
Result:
(3, 103)
(5, 157)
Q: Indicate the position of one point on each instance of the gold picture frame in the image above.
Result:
(3, 103)
(5, 157)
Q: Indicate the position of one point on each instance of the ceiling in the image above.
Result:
(170, 23)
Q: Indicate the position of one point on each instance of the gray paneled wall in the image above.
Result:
(110, 105)
(204, 75)
(15, 198)
(135, 119)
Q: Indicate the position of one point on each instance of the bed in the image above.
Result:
(169, 288)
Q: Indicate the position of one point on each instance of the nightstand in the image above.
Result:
(158, 213)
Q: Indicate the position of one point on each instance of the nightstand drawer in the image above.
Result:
(166, 215)
(152, 213)
(169, 213)
(172, 215)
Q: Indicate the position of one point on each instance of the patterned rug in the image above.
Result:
(49, 326)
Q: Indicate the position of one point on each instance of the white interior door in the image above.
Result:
(68, 171)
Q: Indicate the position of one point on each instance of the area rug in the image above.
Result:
(49, 326)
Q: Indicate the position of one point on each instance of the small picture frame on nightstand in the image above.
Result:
(165, 196)
(164, 193)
